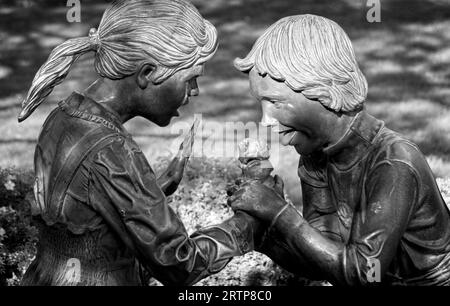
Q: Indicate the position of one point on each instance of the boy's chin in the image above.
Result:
(303, 150)
(298, 149)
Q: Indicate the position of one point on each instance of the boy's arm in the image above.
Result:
(391, 190)
(318, 210)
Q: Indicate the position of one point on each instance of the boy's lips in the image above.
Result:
(286, 137)
(286, 133)
(279, 128)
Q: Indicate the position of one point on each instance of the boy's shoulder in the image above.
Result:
(391, 146)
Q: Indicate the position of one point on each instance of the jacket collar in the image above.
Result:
(80, 106)
(356, 141)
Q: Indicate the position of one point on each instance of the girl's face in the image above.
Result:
(162, 101)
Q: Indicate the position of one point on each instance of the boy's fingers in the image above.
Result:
(254, 163)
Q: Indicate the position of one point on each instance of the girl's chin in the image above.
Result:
(169, 118)
(162, 122)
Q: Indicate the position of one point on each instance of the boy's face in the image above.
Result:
(300, 122)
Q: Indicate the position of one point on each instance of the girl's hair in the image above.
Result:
(309, 52)
(170, 34)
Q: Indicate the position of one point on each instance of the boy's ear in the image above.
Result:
(322, 94)
(144, 75)
(318, 93)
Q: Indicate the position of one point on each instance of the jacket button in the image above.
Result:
(122, 212)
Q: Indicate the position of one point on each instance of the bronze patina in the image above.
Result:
(100, 206)
(372, 212)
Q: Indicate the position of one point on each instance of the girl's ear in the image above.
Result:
(144, 75)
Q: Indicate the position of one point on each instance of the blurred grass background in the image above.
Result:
(405, 57)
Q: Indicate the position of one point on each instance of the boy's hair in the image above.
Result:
(311, 54)
(170, 34)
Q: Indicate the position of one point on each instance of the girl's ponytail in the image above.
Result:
(55, 69)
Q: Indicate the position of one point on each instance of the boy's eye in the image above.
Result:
(276, 103)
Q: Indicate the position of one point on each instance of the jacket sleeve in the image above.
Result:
(124, 191)
(391, 190)
(318, 211)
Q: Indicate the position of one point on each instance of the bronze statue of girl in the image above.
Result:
(98, 202)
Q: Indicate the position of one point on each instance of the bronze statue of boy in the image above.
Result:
(372, 211)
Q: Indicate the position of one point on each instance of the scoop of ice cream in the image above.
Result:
(254, 157)
(251, 149)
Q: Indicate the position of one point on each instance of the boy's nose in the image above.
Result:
(268, 121)
(267, 117)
